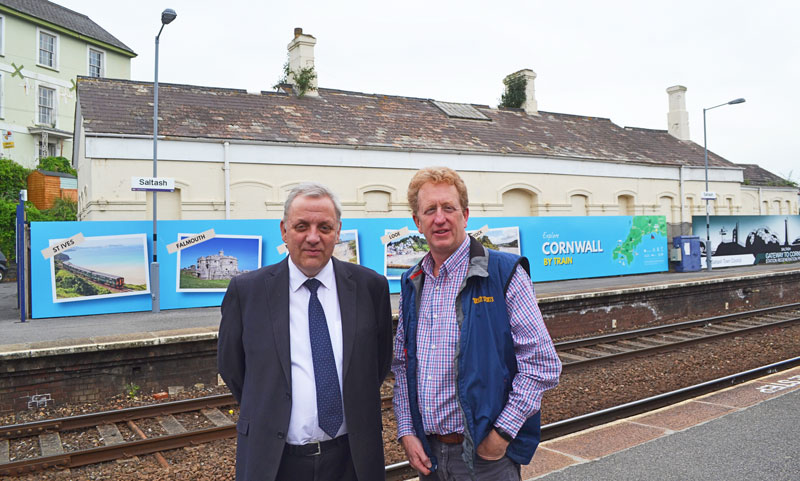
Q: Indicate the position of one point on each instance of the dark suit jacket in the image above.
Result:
(254, 361)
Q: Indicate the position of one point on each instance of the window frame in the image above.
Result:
(52, 107)
(89, 50)
(2, 35)
(56, 44)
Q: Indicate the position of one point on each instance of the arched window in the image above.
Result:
(626, 205)
(520, 203)
(377, 201)
(665, 208)
(580, 204)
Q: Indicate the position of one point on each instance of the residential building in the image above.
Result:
(43, 48)
(235, 154)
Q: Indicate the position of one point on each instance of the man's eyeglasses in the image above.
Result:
(446, 210)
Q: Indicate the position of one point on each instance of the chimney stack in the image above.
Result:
(301, 55)
(678, 117)
(529, 105)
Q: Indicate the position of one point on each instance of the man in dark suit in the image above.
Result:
(304, 346)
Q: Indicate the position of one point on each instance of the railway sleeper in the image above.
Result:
(566, 356)
(171, 425)
(591, 352)
(217, 417)
(50, 444)
(614, 348)
(634, 344)
(4, 451)
(110, 434)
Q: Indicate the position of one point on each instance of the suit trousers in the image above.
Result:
(331, 465)
(453, 468)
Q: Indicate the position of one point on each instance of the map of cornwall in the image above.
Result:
(642, 226)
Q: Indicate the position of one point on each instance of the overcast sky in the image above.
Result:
(611, 59)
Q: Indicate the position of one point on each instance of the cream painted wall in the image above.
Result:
(258, 189)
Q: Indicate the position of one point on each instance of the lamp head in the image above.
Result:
(736, 101)
(167, 16)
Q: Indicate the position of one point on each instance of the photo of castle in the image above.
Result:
(210, 265)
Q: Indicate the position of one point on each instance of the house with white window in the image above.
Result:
(44, 47)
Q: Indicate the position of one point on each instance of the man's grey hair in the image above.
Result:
(312, 189)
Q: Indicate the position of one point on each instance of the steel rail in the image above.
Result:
(648, 331)
(117, 451)
(579, 423)
(120, 415)
(662, 346)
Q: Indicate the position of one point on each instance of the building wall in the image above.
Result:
(19, 93)
(373, 183)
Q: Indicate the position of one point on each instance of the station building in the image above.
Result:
(235, 155)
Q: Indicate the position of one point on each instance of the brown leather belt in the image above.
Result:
(452, 438)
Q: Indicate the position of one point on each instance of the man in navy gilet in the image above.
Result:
(472, 356)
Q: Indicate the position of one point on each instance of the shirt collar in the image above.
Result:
(297, 278)
(456, 259)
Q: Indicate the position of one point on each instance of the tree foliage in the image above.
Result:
(13, 178)
(514, 96)
(57, 164)
(302, 79)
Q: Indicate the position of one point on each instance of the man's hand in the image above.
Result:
(493, 447)
(416, 454)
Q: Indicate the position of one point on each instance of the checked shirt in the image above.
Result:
(437, 339)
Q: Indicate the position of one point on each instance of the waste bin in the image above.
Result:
(689, 248)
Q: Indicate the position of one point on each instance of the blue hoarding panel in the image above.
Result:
(557, 247)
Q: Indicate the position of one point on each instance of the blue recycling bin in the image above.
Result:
(689, 247)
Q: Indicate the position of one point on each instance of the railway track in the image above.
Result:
(105, 426)
(651, 340)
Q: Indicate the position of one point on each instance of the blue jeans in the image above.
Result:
(453, 468)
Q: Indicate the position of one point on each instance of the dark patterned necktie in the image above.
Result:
(329, 397)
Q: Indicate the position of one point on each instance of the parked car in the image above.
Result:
(3, 266)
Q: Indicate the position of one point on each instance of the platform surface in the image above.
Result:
(746, 432)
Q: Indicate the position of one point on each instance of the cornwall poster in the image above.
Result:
(101, 267)
(741, 240)
(210, 265)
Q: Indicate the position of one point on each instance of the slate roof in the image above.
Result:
(755, 175)
(64, 17)
(356, 119)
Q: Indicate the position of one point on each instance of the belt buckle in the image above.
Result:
(319, 449)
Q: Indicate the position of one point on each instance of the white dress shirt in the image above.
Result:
(303, 425)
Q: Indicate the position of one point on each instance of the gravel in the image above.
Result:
(581, 391)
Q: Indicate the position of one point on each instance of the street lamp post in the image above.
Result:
(705, 149)
(167, 16)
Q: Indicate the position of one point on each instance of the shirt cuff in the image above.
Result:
(509, 422)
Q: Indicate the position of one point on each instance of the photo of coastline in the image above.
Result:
(346, 250)
(101, 267)
(402, 253)
(503, 239)
(210, 265)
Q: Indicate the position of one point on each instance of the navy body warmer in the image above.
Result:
(485, 359)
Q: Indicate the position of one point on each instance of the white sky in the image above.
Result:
(610, 59)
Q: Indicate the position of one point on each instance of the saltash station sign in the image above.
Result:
(160, 184)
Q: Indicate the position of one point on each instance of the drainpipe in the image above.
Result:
(227, 168)
(759, 202)
(680, 183)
